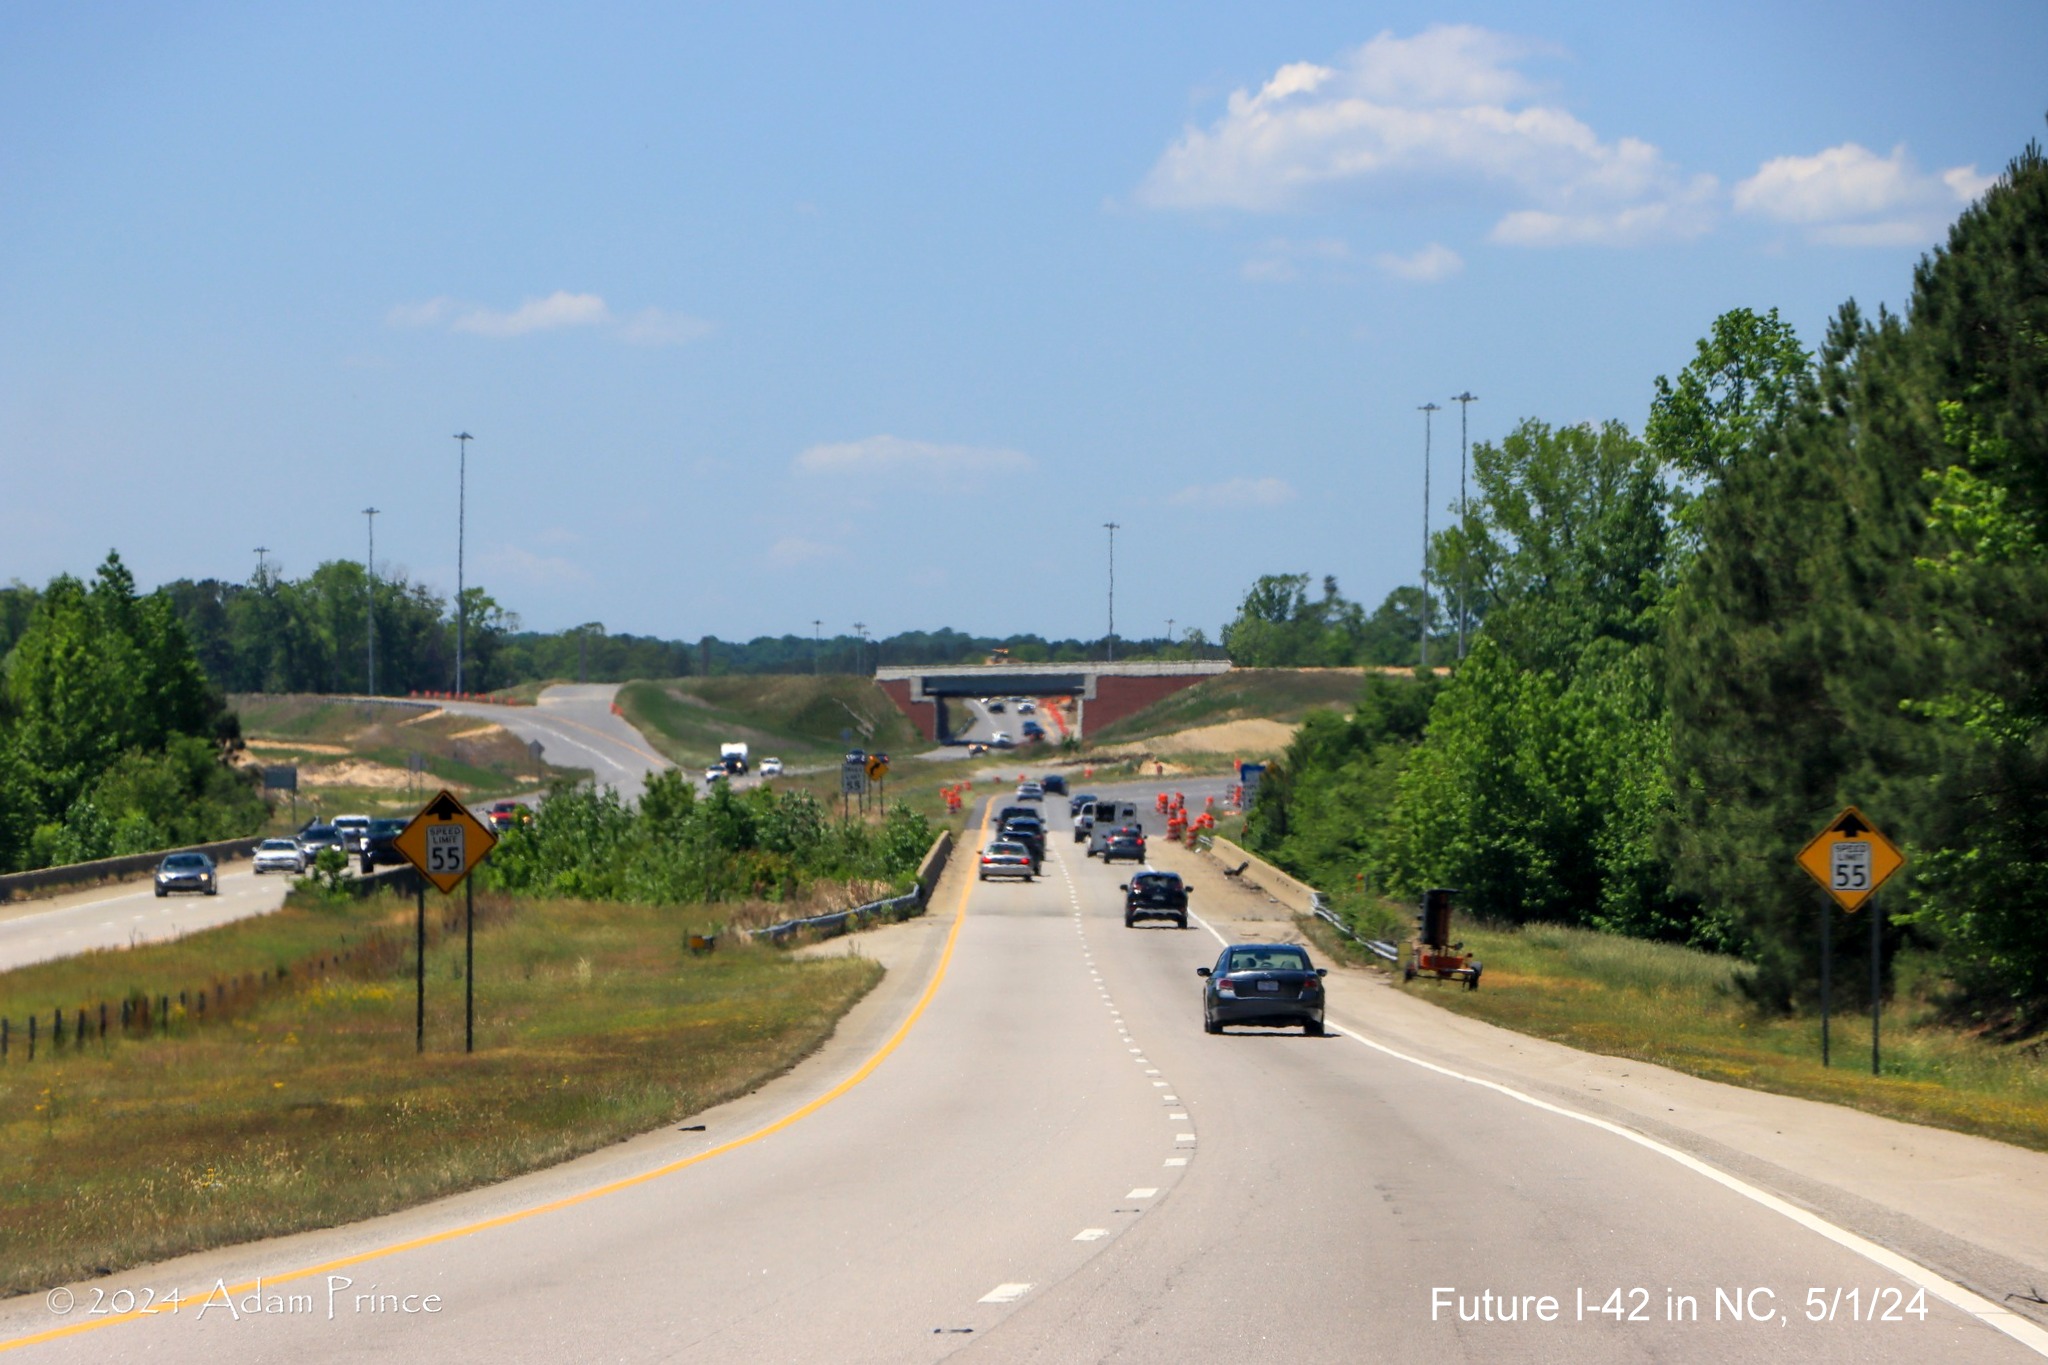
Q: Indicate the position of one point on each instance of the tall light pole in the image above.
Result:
(261, 550)
(817, 641)
(461, 604)
(1109, 644)
(860, 635)
(1428, 411)
(370, 608)
(1464, 402)
(1169, 632)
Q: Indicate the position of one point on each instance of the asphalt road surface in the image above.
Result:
(1022, 1147)
(130, 913)
(576, 728)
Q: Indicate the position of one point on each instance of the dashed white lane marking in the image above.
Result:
(1091, 1234)
(1183, 1137)
(1182, 1117)
(1169, 1097)
(1006, 1293)
(1153, 1071)
(1143, 1192)
(1176, 1161)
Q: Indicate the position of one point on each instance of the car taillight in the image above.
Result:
(1311, 986)
(1225, 986)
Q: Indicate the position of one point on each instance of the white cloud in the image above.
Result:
(949, 466)
(658, 327)
(559, 309)
(1404, 113)
(519, 564)
(1850, 196)
(793, 552)
(1434, 262)
(1279, 260)
(647, 327)
(1267, 492)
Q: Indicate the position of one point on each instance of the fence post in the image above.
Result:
(78, 1038)
(163, 1012)
(103, 1021)
(56, 1028)
(4, 1040)
(31, 1037)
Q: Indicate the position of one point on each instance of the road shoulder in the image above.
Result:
(1971, 1208)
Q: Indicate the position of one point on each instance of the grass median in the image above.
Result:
(305, 1105)
(1684, 1009)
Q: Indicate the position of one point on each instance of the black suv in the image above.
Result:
(380, 845)
(1156, 895)
(1029, 832)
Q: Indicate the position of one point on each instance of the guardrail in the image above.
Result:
(1297, 895)
(909, 905)
(126, 866)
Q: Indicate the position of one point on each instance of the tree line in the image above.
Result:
(112, 737)
(1817, 578)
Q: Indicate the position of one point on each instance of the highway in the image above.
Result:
(1022, 1147)
(574, 724)
(576, 728)
(129, 913)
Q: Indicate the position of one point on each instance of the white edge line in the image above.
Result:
(1976, 1305)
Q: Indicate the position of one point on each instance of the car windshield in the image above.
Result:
(284, 844)
(1156, 881)
(1006, 851)
(1268, 960)
(386, 826)
(185, 860)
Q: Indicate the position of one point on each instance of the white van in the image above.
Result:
(1108, 815)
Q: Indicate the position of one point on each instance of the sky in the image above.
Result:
(766, 314)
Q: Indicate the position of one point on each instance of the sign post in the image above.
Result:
(878, 773)
(1851, 858)
(445, 843)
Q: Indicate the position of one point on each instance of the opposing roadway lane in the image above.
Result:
(130, 913)
(1040, 1156)
(576, 728)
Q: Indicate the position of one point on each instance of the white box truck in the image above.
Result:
(734, 757)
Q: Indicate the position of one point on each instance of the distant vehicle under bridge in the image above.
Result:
(1102, 692)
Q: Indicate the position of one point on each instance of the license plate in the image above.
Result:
(1269, 985)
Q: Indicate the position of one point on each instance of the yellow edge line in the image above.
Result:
(866, 1069)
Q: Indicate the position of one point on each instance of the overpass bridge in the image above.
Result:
(1102, 692)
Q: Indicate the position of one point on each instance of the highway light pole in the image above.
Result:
(1428, 411)
(860, 636)
(261, 550)
(370, 608)
(1464, 402)
(1109, 643)
(461, 497)
(817, 642)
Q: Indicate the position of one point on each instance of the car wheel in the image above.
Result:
(1182, 922)
(1312, 1028)
(213, 891)
(984, 876)
(1130, 921)
(161, 893)
(1210, 1025)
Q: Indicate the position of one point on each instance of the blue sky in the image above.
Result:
(770, 313)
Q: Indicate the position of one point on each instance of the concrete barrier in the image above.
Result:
(934, 864)
(128, 867)
(1296, 895)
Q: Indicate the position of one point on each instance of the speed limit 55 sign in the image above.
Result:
(444, 841)
(1851, 858)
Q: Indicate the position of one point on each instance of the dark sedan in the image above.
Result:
(1126, 841)
(187, 872)
(380, 845)
(316, 837)
(1265, 985)
(1028, 832)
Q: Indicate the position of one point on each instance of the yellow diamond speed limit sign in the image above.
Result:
(1851, 858)
(444, 841)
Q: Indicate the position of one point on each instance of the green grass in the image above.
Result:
(307, 1106)
(795, 717)
(1684, 1009)
(1283, 694)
